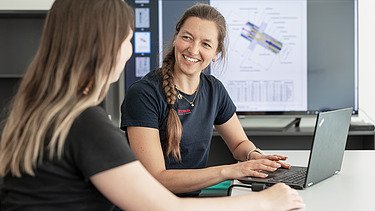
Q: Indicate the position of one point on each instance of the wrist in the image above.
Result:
(250, 154)
(225, 172)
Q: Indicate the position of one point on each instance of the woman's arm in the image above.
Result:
(236, 139)
(145, 143)
(131, 187)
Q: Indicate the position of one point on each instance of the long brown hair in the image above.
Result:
(78, 50)
(174, 127)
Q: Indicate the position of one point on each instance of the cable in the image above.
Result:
(254, 187)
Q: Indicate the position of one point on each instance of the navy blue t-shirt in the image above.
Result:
(145, 106)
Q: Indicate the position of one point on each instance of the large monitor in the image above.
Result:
(293, 57)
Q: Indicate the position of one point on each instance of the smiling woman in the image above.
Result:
(195, 47)
(168, 115)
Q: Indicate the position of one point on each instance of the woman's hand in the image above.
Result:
(281, 197)
(253, 168)
(275, 157)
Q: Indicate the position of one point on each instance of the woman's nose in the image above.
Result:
(193, 48)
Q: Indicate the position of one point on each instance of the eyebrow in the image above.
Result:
(205, 40)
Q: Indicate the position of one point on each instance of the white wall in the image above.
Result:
(366, 49)
(25, 4)
(366, 60)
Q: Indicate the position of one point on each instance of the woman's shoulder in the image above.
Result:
(211, 80)
(92, 115)
(91, 121)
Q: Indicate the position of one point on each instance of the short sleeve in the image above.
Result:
(141, 106)
(226, 107)
(96, 145)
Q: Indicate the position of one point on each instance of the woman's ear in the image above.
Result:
(174, 40)
(214, 59)
(217, 56)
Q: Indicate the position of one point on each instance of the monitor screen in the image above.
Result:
(283, 56)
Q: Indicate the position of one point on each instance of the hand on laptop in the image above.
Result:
(257, 166)
(277, 158)
(252, 168)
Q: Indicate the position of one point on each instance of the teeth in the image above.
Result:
(191, 59)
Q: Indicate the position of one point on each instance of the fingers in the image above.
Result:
(259, 168)
(253, 168)
(278, 158)
(291, 198)
(263, 164)
(258, 174)
(284, 165)
(296, 199)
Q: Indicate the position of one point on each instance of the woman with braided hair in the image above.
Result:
(169, 114)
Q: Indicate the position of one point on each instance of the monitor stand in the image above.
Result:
(268, 123)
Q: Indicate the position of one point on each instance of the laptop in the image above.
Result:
(326, 154)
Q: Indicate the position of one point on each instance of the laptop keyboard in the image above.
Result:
(296, 177)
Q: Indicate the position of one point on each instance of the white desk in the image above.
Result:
(351, 189)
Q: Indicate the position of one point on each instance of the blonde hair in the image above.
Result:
(174, 126)
(78, 50)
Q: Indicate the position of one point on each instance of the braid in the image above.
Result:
(174, 126)
(168, 84)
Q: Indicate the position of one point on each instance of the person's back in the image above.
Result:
(92, 145)
(65, 139)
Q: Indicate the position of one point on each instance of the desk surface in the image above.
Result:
(352, 189)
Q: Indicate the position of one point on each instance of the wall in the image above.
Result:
(366, 46)
(114, 96)
(25, 4)
(366, 60)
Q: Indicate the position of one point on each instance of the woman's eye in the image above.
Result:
(186, 38)
(206, 45)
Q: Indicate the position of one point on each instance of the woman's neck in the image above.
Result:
(187, 83)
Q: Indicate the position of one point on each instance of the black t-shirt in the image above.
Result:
(93, 145)
(145, 106)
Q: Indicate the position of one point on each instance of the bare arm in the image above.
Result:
(236, 139)
(145, 143)
(131, 187)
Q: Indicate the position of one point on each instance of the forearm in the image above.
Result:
(277, 197)
(183, 181)
(244, 202)
(235, 138)
(241, 151)
(131, 187)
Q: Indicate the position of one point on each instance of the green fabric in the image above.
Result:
(216, 190)
(222, 186)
